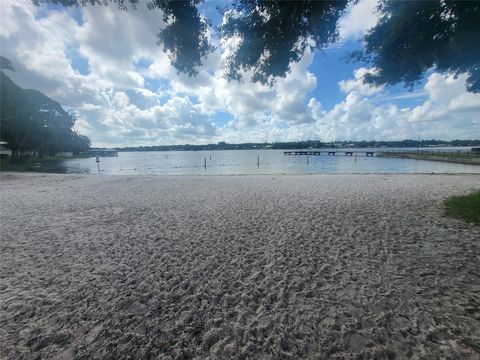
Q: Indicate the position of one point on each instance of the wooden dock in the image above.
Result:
(328, 152)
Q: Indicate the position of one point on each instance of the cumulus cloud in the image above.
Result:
(177, 120)
(37, 48)
(357, 85)
(358, 19)
(449, 112)
(129, 94)
(112, 103)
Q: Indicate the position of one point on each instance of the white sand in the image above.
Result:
(241, 267)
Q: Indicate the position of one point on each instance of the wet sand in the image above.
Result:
(237, 267)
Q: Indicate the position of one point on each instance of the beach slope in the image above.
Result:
(237, 267)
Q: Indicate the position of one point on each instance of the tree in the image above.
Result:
(184, 38)
(412, 37)
(122, 4)
(273, 34)
(32, 122)
(5, 64)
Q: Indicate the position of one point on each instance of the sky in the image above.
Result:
(104, 64)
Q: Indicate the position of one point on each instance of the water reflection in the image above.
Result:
(239, 162)
(44, 166)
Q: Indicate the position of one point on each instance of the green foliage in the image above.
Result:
(185, 36)
(415, 36)
(33, 123)
(5, 64)
(464, 207)
(273, 34)
(410, 38)
(122, 4)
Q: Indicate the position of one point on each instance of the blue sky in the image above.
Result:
(103, 64)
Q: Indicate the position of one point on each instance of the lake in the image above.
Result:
(243, 162)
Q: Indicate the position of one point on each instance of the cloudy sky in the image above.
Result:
(103, 63)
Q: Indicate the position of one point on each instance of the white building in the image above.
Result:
(4, 151)
(64, 154)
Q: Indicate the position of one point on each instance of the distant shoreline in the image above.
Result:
(298, 145)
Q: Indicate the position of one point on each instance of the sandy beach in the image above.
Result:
(237, 267)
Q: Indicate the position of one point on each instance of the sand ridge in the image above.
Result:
(237, 267)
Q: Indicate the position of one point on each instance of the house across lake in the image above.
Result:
(5, 152)
(103, 152)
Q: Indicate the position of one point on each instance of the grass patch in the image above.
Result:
(464, 207)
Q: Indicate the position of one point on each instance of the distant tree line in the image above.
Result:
(314, 144)
(33, 124)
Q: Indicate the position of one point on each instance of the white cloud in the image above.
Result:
(37, 49)
(357, 85)
(359, 18)
(9, 13)
(176, 121)
(449, 112)
(114, 40)
(116, 107)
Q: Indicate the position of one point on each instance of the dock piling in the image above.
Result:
(97, 160)
(329, 153)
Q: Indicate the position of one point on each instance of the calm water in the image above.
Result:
(241, 162)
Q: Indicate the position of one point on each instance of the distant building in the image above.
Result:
(102, 152)
(64, 154)
(475, 150)
(4, 151)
